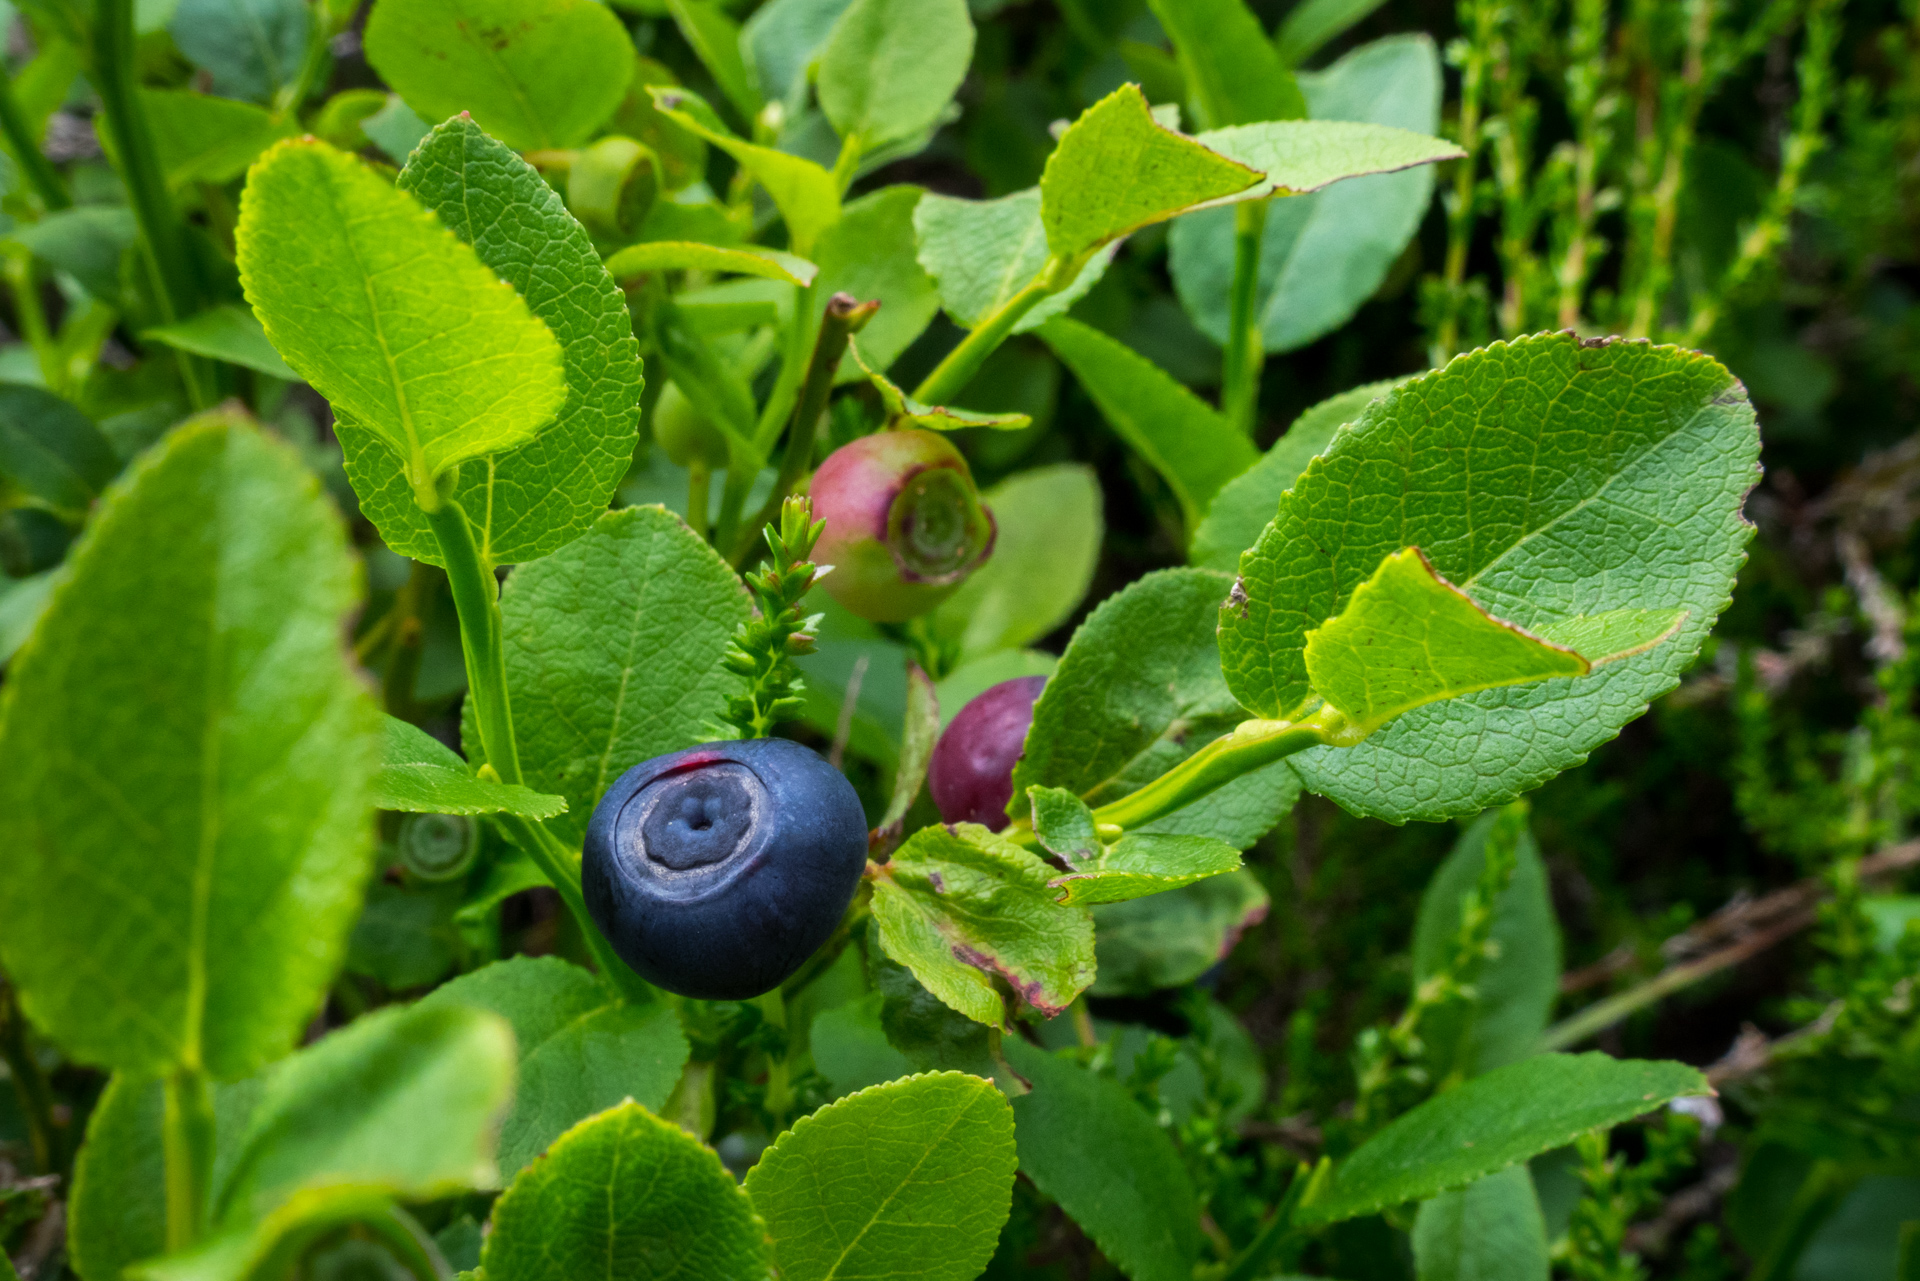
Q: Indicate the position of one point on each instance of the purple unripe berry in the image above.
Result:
(971, 775)
(714, 872)
(904, 523)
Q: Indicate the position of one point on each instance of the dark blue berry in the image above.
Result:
(716, 871)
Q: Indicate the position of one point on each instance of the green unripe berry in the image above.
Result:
(686, 437)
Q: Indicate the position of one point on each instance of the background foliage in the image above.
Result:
(1727, 883)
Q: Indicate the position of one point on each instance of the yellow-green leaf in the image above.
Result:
(1117, 170)
(389, 315)
(804, 192)
(1408, 637)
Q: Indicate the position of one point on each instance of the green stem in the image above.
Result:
(793, 367)
(699, 484)
(773, 1006)
(561, 867)
(847, 162)
(844, 317)
(1246, 348)
(476, 598)
(36, 1100)
(32, 318)
(1279, 1230)
(187, 1142)
(176, 283)
(951, 375)
(1251, 745)
(46, 180)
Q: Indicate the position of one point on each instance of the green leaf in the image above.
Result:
(869, 253)
(1180, 435)
(1245, 505)
(1137, 692)
(621, 1195)
(391, 318)
(543, 495)
(22, 602)
(1408, 637)
(1085, 1143)
(958, 905)
(117, 1215)
(420, 775)
(976, 676)
(225, 332)
(1233, 75)
(1117, 170)
(189, 759)
(715, 40)
(1325, 253)
(406, 936)
(781, 39)
(581, 1048)
(1047, 542)
(919, 732)
(983, 252)
(1143, 864)
(925, 1031)
(1638, 458)
(201, 138)
(806, 194)
(849, 1045)
(1302, 156)
(613, 648)
(1166, 940)
(88, 243)
(1491, 1230)
(1492, 1122)
(1311, 24)
(277, 1244)
(686, 255)
(903, 410)
(51, 450)
(1063, 824)
(252, 48)
(913, 1178)
(403, 1100)
(891, 67)
(1515, 990)
(545, 74)
(1133, 867)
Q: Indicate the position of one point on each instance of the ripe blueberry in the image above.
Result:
(971, 774)
(715, 871)
(904, 523)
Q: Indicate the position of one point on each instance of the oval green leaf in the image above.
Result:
(185, 808)
(626, 1194)
(534, 499)
(534, 73)
(389, 316)
(912, 1178)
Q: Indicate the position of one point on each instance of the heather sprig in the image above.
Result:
(764, 647)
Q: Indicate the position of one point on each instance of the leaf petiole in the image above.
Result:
(950, 377)
(476, 598)
(1249, 746)
(187, 1128)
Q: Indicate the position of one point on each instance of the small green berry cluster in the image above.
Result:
(764, 647)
